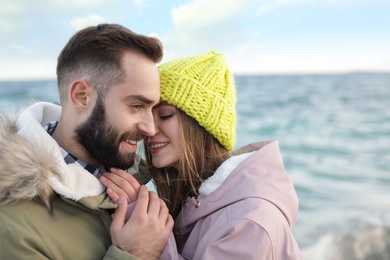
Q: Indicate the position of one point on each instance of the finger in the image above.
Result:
(166, 218)
(154, 204)
(127, 176)
(114, 191)
(141, 205)
(125, 181)
(113, 195)
(164, 212)
(119, 216)
(169, 223)
(121, 183)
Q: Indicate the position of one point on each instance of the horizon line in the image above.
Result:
(239, 74)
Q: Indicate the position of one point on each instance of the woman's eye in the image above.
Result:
(163, 117)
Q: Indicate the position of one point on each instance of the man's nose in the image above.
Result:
(147, 126)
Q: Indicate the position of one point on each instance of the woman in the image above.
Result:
(239, 205)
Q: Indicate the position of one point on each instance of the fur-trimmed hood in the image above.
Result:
(31, 163)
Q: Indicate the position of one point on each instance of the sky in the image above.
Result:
(256, 36)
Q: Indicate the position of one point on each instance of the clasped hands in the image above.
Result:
(147, 230)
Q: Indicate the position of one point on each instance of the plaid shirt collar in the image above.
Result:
(69, 158)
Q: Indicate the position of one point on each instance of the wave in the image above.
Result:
(367, 239)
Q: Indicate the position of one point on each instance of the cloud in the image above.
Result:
(202, 25)
(267, 7)
(255, 36)
(235, 28)
(10, 8)
(221, 24)
(250, 48)
(82, 22)
(5, 27)
(201, 14)
(76, 3)
(44, 7)
(25, 19)
(61, 8)
(138, 2)
(35, 31)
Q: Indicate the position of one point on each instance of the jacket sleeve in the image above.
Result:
(170, 250)
(114, 253)
(14, 246)
(27, 245)
(243, 240)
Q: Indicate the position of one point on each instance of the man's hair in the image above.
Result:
(96, 53)
(200, 156)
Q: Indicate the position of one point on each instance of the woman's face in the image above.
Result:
(165, 145)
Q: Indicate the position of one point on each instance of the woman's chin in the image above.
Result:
(158, 163)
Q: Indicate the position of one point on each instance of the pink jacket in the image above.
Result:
(244, 211)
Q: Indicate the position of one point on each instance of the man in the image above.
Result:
(52, 204)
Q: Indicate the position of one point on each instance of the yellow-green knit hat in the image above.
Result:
(203, 87)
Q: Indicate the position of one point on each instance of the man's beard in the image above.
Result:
(102, 141)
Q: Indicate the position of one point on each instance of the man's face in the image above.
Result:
(124, 116)
(102, 140)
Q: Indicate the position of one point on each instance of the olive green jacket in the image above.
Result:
(49, 209)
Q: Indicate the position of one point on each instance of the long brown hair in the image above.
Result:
(200, 156)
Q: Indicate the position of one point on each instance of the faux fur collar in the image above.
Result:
(31, 164)
(216, 180)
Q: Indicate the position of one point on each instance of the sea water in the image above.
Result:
(334, 135)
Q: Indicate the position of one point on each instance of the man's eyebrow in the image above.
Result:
(141, 98)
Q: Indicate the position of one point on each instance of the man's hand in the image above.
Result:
(120, 184)
(146, 232)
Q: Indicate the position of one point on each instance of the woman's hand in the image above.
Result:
(120, 184)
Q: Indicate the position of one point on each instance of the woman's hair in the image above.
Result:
(96, 52)
(201, 154)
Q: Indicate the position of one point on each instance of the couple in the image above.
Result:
(225, 205)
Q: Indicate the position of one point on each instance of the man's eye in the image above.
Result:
(137, 107)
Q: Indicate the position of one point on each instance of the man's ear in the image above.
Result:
(81, 95)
